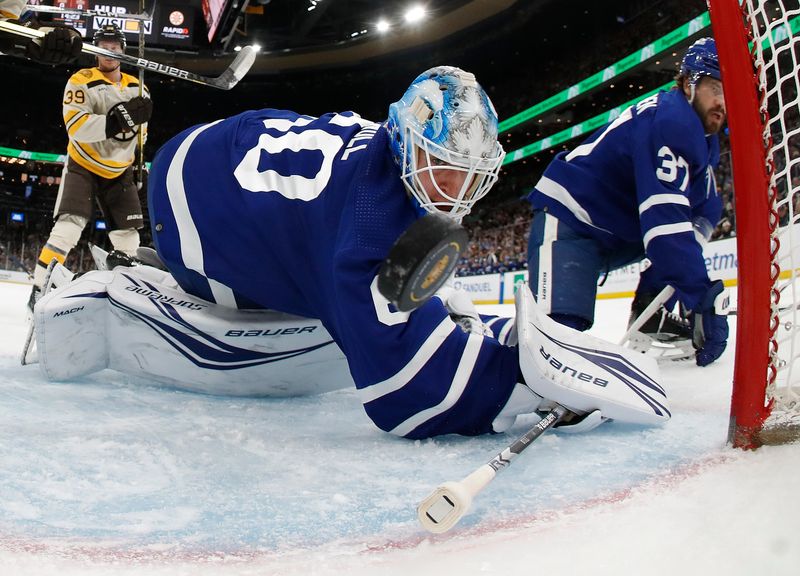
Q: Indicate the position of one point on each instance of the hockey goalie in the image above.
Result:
(272, 227)
(138, 321)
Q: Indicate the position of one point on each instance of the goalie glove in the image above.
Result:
(463, 311)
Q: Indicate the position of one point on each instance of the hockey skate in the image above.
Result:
(665, 335)
(57, 275)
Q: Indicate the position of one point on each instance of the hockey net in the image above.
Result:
(759, 50)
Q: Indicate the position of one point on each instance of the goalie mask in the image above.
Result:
(444, 139)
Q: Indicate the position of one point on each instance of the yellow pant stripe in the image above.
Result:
(48, 253)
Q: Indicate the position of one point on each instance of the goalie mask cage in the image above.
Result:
(759, 56)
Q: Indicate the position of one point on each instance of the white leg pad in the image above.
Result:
(71, 334)
(584, 373)
(137, 321)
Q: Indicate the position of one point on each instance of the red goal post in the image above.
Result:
(759, 56)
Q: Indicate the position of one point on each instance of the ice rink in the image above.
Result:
(112, 475)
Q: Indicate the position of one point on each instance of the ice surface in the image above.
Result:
(111, 475)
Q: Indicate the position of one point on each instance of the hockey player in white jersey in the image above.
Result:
(274, 212)
(641, 186)
(103, 114)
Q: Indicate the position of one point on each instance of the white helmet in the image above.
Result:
(446, 119)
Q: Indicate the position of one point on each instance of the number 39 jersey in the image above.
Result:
(88, 96)
(293, 213)
(642, 179)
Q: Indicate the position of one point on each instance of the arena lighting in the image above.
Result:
(415, 14)
(383, 26)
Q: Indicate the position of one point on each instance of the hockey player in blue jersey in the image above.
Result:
(289, 218)
(273, 209)
(641, 186)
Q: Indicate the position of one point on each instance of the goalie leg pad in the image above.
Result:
(162, 333)
(584, 373)
(70, 321)
(138, 322)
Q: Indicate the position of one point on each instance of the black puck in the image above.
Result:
(421, 261)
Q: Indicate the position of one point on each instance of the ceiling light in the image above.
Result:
(383, 26)
(415, 14)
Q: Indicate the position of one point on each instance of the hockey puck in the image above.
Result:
(421, 261)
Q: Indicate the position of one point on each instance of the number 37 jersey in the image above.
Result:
(272, 209)
(643, 179)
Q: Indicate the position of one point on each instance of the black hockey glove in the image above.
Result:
(710, 324)
(126, 116)
(59, 46)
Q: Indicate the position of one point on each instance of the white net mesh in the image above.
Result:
(776, 46)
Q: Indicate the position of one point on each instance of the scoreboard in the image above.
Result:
(172, 23)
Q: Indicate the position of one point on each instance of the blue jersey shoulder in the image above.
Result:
(676, 124)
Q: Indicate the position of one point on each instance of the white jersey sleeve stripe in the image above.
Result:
(557, 192)
(586, 149)
(191, 248)
(463, 372)
(407, 372)
(656, 199)
(222, 294)
(505, 333)
(666, 230)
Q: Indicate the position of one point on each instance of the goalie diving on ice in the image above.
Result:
(273, 228)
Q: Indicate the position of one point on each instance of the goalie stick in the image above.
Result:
(143, 16)
(651, 309)
(450, 501)
(225, 81)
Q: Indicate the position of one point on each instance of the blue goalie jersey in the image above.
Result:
(277, 210)
(643, 179)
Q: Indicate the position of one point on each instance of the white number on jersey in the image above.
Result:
(294, 186)
(671, 166)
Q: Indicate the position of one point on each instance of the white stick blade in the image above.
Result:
(444, 507)
(243, 62)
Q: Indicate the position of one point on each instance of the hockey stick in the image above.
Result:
(450, 501)
(651, 309)
(225, 81)
(142, 16)
(140, 131)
